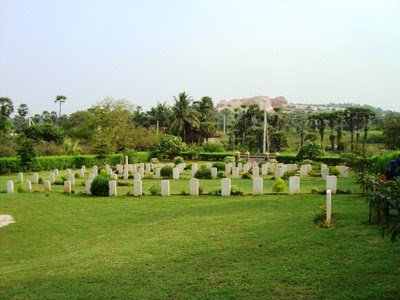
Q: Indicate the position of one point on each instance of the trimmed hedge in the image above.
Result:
(206, 156)
(12, 164)
(329, 160)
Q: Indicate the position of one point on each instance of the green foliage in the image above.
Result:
(382, 162)
(391, 129)
(102, 148)
(132, 156)
(27, 154)
(154, 160)
(100, 185)
(236, 191)
(288, 174)
(246, 176)
(155, 190)
(45, 132)
(314, 190)
(320, 220)
(221, 174)
(219, 165)
(279, 186)
(166, 172)
(213, 147)
(229, 159)
(171, 145)
(203, 173)
(13, 164)
(334, 171)
(311, 151)
(178, 160)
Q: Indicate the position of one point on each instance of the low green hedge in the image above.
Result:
(206, 156)
(12, 164)
(291, 159)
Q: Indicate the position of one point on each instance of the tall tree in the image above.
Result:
(60, 99)
(186, 118)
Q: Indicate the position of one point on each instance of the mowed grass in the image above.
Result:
(78, 246)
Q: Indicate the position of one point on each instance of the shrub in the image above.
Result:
(219, 165)
(155, 190)
(236, 191)
(171, 145)
(314, 190)
(229, 159)
(178, 160)
(27, 154)
(246, 176)
(45, 132)
(203, 173)
(184, 193)
(382, 162)
(154, 160)
(213, 147)
(221, 174)
(100, 185)
(166, 172)
(188, 166)
(132, 156)
(311, 151)
(334, 171)
(201, 190)
(279, 186)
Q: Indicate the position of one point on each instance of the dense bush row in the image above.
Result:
(291, 159)
(206, 156)
(12, 164)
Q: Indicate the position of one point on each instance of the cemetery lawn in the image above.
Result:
(77, 246)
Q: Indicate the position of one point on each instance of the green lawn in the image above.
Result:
(77, 246)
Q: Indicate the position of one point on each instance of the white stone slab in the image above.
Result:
(137, 188)
(165, 191)
(112, 186)
(258, 186)
(331, 184)
(294, 185)
(10, 186)
(225, 187)
(194, 187)
(47, 185)
(28, 186)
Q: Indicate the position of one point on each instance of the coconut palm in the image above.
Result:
(185, 117)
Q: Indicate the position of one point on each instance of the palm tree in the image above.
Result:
(351, 115)
(368, 116)
(207, 117)
(185, 116)
(61, 99)
(340, 117)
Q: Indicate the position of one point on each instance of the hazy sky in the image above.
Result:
(148, 51)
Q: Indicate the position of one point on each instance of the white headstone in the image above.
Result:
(264, 169)
(81, 173)
(126, 173)
(112, 186)
(235, 172)
(158, 173)
(91, 176)
(35, 178)
(137, 176)
(246, 168)
(208, 165)
(194, 187)
(52, 177)
(88, 186)
(214, 173)
(256, 172)
(126, 159)
(95, 171)
(331, 184)
(67, 187)
(137, 188)
(71, 178)
(56, 172)
(28, 186)
(324, 171)
(228, 169)
(175, 173)
(294, 185)
(165, 188)
(148, 168)
(258, 186)
(328, 206)
(225, 187)
(20, 177)
(10, 186)
(47, 185)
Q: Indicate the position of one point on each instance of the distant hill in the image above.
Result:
(262, 101)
